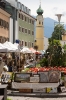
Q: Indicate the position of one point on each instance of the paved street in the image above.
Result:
(33, 98)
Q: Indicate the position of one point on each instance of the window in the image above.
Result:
(32, 44)
(30, 20)
(22, 7)
(39, 22)
(25, 30)
(25, 18)
(22, 17)
(19, 15)
(32, 32)
(22, 29)
(29, 44)
(19, 28)
(28, 31)
(22, 43)
(42, 23)
(25, 43)
(33, 22)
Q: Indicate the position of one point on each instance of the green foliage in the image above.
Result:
(58, 31)
(44, 62)
(64, 47)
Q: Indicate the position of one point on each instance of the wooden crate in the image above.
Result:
(25, 90)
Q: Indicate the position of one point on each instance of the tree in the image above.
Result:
(58, 31)
(55, 53)
(64, 56)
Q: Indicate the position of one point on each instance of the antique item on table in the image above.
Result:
(6, 77)
(22, 77)
(43, 77)
(54, 76)
(34, 79)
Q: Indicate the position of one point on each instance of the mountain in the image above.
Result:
(49, 26)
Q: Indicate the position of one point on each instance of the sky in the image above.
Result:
(50, 8)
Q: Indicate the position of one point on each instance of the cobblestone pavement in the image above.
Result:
(34, 98)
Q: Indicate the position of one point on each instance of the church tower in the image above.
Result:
(39, 29)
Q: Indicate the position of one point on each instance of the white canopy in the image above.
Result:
(11, 47)
(3, 48)
(26, 50)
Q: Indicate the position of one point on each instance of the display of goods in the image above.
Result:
(6, 77)
(54, 76)
(43, 77)
(63, 89)
(22, 77)
(51, 90)
(34, 79)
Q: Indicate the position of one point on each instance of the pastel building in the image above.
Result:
(23, 24)
(39, 29)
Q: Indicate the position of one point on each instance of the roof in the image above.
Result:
(39, 10)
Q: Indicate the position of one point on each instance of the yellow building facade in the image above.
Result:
(64, 37)
(39, 29)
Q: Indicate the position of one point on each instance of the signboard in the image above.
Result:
(54, 76)
(22, 77)
(43, 77)
(34, 79)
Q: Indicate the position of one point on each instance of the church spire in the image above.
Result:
(39, 10)
(40, 3)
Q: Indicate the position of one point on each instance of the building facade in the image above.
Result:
(4, 25)
(23, 24)
(26, 29)
(39, 29)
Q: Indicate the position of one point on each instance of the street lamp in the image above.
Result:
(59, 19)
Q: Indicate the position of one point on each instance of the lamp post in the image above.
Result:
(59, 19)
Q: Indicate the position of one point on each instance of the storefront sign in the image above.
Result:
(4, 24)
